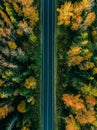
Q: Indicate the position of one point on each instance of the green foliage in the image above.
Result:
(76, 68)
(20, 63)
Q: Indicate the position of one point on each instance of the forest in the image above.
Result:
(76, 52)
(20, 64)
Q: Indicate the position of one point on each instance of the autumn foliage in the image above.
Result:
(76, 39)
(19, 63)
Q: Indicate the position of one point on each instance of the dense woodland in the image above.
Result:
(76, 43)
(20, 64)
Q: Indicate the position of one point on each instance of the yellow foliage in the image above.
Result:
(87, 65)
(31, 100)
(27, 10)
(95, 71)
(15, 79)
(87, 4)
(3, 95)
(82, 114)
(30, 83)
(85, 117)
(25, 128)
(74, 51)
(25, 2)
(6, 4)
(6, 19)
(89, 90)
(71, 14)
(31, 14)
(5, 32)
(5, 110)
(77, 24)
(85, 42)
(91, 100)
(73, 56)
(89, 19)
(9, 12)
(2, 32)
(71, 124)
(22, 25)
(12, 44)
(7, 74)
(22, 107)
(32, 37)
(84, 35)
(75, 102)
(95, 123)
(1, 82)
(19, 32)
(75, 60)
(28, 14)
(77, 8)
(83, 5)
(94, 34)
(16, 92)
(16, 8)
(65, 13)
(88, 55)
